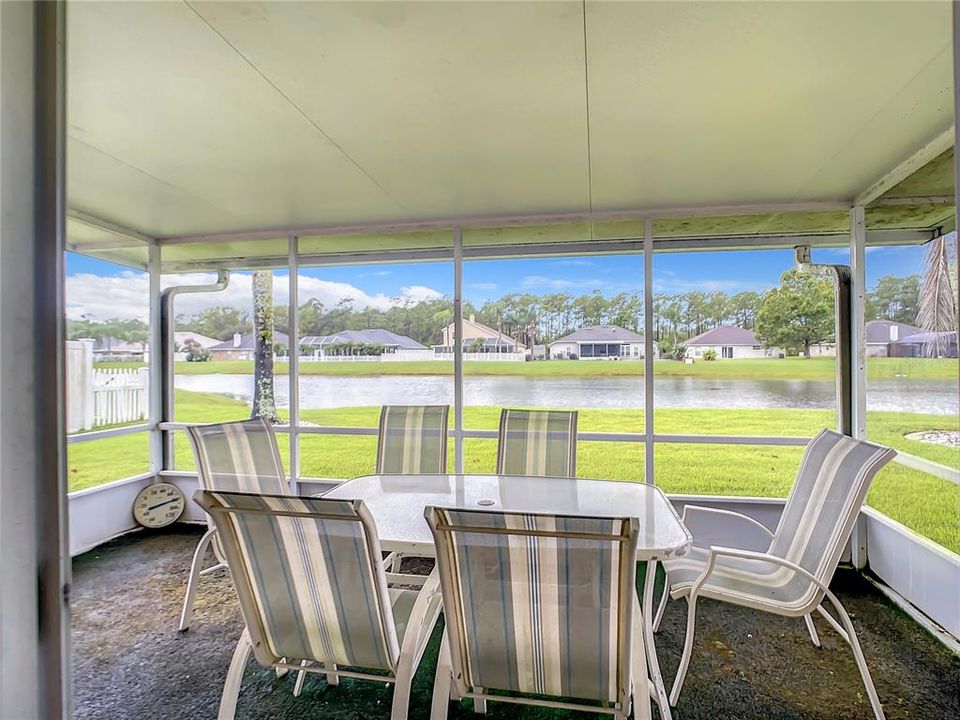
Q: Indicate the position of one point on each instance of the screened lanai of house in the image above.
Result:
(213, 139)
(227, 137)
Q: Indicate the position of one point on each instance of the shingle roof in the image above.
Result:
(880, 331)
(375, 336)
(724, 335)
(246, 342)
(601, 333)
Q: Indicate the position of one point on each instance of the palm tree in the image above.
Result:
(938, 305)
(264, 403)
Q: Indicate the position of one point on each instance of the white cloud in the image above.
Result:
(127, 295)
(482, 286)
(531, 282)
(668, 282)
(574, 263)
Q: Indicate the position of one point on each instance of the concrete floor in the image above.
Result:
(130, 661)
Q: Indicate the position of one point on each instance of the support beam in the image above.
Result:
(458, 349)
(648, 410)
(293, 353)
(108, 227)
(34, 559)
(155, 391)
(858, 331)
(942, 142)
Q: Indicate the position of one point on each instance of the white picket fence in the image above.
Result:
(120, 395)
(98, 397)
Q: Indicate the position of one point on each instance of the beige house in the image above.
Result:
(478, 337)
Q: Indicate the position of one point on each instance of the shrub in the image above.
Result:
(710, 354)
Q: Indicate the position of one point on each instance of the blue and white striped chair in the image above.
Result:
(314, 595)
(238, 456)
(412, 439)
(537, 442)
(792, 577)
(539, 605)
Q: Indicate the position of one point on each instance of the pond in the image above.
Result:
(938, 397)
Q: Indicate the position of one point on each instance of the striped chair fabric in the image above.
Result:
(308, 575)
(538, 603)
(413, 439)
(239, 456)
(537, 442)
(832, 482)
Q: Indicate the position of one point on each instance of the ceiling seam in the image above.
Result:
(586, 93)
(163, 182)
(859, 131)
(294, 105)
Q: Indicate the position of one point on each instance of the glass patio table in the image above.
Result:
(397, 502)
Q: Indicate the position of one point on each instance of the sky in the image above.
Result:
(102, 290)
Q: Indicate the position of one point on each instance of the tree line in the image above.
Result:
(796, 314)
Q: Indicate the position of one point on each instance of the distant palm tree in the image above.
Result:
(938, 302)
(264, 404)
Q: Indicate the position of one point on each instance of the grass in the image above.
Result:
(929, 505)
(761, 368)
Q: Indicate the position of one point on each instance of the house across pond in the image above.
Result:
(729, 342)
(600, 342)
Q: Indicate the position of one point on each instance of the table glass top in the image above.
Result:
(397, 502)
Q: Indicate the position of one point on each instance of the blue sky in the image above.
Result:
(105, 290)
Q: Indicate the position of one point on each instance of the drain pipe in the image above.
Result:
(841, 276)
(167, 329)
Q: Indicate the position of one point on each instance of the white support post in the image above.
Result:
(155, 376)
(648, 475)
(293, 365)
(34, 556)
(458, 349)
(858, 238)
(858, 366)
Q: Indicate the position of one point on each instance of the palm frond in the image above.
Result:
(938, 306)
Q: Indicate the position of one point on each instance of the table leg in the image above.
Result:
(652, 663)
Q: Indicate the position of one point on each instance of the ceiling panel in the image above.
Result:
(190, 138)
(456, 109)
(229, 117)
(725, 103)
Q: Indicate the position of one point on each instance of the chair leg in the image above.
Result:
(687, 650)
(442, 683)
(231, 688)
(332, 677)
(395, 563)
(480, 705)
(643, 690)
(861, 661)
(301, 676)
(186, 614)
(658, 618)
(811, 628)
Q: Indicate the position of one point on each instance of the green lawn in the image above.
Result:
(786, 369)
(925, 503)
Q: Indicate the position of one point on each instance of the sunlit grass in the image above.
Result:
(760, 368)
(927, 504)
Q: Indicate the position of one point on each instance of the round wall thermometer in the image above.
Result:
(158, 505)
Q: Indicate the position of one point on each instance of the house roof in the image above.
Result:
(929, 337)
(882, 331)
(377, 336)
(724, 335)
(202, 340)
(491, 342)
(491, 333)
(601, 333)
(246, 342)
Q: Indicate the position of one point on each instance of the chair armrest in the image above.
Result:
(718, 551)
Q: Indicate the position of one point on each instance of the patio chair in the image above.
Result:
(792, 577)
(543, 605)
(314, 595)
(537, 442)
(412, 440)
(236, 456)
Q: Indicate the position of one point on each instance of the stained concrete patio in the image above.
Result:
(129, 661)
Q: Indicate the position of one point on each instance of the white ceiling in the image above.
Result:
(214, 117)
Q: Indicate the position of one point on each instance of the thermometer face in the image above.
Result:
(158, 505)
